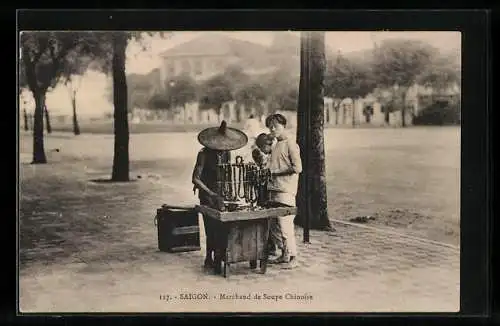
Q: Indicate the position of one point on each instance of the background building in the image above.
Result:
(211, 53)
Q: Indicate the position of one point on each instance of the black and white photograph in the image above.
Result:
(239, 171)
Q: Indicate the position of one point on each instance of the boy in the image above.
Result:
(261, 152)
(285, 165)
(260, 155)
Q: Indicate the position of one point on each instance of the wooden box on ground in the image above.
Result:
(242, 235)
(178, 228)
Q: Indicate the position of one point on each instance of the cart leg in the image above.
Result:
(217, 262)
(263, 266)
(220, 247)
(263, 261)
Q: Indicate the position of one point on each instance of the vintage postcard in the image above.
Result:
(216, 171)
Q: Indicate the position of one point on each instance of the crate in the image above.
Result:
(178, 229)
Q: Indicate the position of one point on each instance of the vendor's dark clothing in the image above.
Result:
(206, 170)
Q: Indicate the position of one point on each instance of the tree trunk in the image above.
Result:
(337, 114)
(26, 121)
(343, 114)
(47, 119)
(76, 127)
(403, 113)
(353, 113)
(238, 112)
(219, 111)
(38, 146)
(403, 110)
(312, 199)
(121, 147)
(302, 132)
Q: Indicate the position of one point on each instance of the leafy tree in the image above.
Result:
(289, 100)
(280, 79)
(239, 81)
(400, 62)
(215, 92)
(182, 90)
(73, 79)
(44, 58)
(159, 101)
(109, 49)
(237, 76)
(349, 79)
(312, 198)
(252, 94)
(73, 85)
(139, 89)
(390, 101)
(439, 112)
(282, 87)
(441, 74)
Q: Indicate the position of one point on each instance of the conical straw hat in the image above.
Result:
(223, 138)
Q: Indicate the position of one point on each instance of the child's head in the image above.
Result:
(276, 124)
(264, 142)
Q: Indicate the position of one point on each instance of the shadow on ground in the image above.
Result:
(63, 212)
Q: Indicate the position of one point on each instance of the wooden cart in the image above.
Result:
(243, 235)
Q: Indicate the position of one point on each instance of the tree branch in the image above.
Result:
(56, 60)
(43, 45)
(29, 70)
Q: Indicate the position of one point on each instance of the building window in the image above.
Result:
(170, 68)
(198, 69)
(186, 67)
(218, 65)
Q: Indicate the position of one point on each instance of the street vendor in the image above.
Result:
(217, 143)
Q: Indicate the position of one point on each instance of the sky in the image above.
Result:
(139, 61)
(92, 97)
